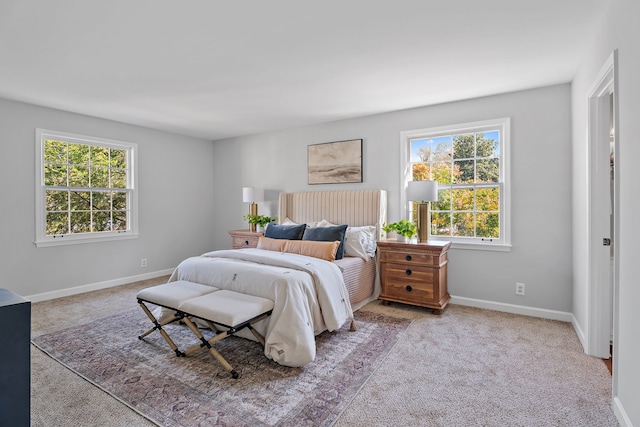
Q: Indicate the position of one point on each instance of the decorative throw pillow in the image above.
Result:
(360, 242)
(269, 244)
(288, 232)
(328, 234)
(322, 250)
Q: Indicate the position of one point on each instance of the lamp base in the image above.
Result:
(423, 222)
(253, 211)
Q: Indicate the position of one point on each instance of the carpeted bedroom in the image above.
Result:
(403, 366)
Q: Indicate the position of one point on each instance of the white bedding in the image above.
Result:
(309, 295)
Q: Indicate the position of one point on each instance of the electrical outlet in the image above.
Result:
(519, 288)
(143, 262)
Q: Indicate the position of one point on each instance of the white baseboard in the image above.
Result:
(620, 413)
(581, 335)
(97, 286)
(512, 308)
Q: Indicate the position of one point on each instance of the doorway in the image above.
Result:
(603, 213)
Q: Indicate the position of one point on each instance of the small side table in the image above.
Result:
(415, 273)
(241, 239)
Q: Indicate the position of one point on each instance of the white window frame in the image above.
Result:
(504, 126)
(42, 239)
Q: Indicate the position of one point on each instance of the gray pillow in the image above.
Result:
(288, 232)
(328, 234)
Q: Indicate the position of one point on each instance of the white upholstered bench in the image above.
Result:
(217, 308)
(233, 311)
(170, 295)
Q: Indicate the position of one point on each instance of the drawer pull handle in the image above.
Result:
(408, 272)
(409, 288)
(408, 257)
(246, 243)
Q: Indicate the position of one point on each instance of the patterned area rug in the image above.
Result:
(197, 391)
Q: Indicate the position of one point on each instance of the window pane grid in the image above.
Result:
(473, 212)
(71, 211)
(86, 188)
(467, 167)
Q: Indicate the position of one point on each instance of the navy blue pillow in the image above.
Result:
(328, 234)
(287, 232)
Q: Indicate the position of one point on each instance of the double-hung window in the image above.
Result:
(470, 162)
(85, 189)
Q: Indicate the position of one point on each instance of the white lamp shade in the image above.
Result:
(252, 194)
(422, 191)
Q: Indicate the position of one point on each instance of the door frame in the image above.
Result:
(602, 305)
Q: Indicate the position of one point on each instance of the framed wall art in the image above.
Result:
(335, 162)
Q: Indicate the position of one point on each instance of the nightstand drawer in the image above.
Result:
(410, 257)
(408, 272)
(240, 242)
(241, 239)
(408, 291)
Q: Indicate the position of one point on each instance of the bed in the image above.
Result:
(310, 295)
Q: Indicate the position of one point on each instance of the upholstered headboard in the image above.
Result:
(353, 207)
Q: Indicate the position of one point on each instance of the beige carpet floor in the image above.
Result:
(465, 367)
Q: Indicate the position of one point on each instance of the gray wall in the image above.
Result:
(540, 173)
(175, 205)
(618, 30)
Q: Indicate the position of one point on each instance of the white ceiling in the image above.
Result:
(218, 68)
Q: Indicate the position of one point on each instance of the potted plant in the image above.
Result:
(404, 228)
(259, 220)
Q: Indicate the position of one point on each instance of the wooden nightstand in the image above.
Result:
(244, 238)
(415, 273)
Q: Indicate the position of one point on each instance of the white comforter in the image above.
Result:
(309, 295)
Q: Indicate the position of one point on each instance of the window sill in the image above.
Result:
(76, 240)
(480, 246)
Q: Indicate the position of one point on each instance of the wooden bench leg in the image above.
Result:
(223, 362)
(155, 328)
(215, 353)
(256, 334)
(158, 326)
(197, 333)
(230, 312)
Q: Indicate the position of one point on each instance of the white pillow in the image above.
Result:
(360, 242)
(287, 221)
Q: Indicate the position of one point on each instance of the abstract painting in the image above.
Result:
(335, 162)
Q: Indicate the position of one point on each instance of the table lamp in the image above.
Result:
(252, 195)
(422, 192)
